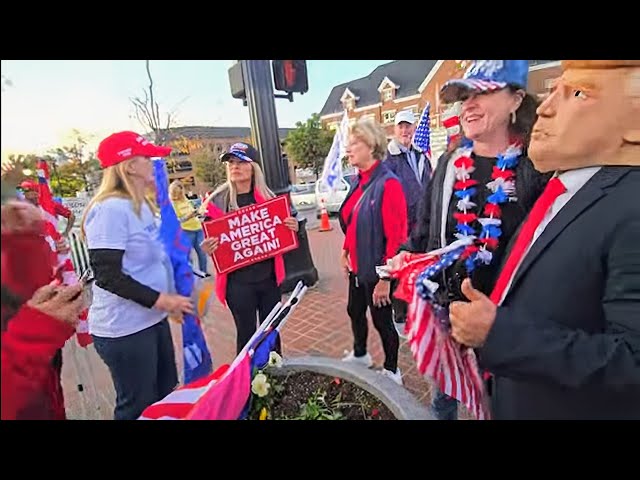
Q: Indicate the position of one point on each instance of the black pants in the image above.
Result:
(361, 297)
(247, 302)
(142, 366)
(399, 306)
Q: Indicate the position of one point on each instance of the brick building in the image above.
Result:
(412, 84)
(542, 73)
(215, 140)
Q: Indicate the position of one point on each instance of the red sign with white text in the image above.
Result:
(251, 234)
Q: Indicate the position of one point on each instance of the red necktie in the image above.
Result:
(553, 189)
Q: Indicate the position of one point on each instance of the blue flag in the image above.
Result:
(197, 359)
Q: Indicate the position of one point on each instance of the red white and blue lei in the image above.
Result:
(503, 190)
(476, 244)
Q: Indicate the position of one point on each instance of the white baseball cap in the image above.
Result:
(405, 116)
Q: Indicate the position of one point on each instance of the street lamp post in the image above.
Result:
(264, 121)
(258, 88)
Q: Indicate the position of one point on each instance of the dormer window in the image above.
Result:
(350, 104)
(349, 99)
(387, 90)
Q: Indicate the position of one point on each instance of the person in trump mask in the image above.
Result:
(560, 331)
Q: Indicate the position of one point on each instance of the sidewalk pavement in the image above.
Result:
(319, 326)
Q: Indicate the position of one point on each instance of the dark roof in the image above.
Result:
(218, 132)
(407, 74)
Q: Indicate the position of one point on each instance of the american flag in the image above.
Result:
(225, 394)
(422, 135)
(453, 367)
(65, 268)
(222, 395)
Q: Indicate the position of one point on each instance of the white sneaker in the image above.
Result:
(395, 376)
(365, 360)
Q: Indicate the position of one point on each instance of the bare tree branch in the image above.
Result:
(142, 113)
(147, 112)
(153, 104)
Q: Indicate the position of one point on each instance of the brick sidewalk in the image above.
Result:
(319, 326)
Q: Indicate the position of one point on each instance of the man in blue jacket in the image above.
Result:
(413, 169)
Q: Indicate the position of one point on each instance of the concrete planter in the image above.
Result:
(399, 400)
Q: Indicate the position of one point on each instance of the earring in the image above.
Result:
(513, 117)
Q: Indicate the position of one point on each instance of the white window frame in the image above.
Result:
(388, 116)
(350, 103)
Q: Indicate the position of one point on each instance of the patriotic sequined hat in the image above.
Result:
(122, 146)
(242, 151)
(486, 76)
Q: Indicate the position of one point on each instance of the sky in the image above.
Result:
(45, 100)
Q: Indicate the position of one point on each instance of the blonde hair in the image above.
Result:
(172, 188)
(116, 183)
(371, 133)
(230, 193)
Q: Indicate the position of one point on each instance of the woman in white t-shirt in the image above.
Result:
(133, 277)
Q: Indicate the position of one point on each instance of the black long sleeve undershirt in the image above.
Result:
(106, 264)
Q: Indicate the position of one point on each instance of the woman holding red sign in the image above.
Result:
(253, 290)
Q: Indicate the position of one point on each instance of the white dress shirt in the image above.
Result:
(573, 180)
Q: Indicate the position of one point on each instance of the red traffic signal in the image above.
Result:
(290, 76)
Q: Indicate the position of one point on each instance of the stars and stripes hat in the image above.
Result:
(242, 151)
(486, 76)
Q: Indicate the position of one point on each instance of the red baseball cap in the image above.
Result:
(122, 146)
(29, 185)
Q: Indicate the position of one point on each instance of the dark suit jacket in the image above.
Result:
(566, 341)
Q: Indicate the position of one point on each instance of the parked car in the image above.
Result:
(303, 196)
(332, 200)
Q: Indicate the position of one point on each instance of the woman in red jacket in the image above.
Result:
(373, 218)
(34, 330)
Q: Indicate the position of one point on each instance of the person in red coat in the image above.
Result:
(38, 316)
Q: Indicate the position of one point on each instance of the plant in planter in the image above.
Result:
(306, 395)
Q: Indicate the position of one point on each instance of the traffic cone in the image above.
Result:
(325, 226)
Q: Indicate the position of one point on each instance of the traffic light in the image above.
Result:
(236, 81)
(290, 76)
